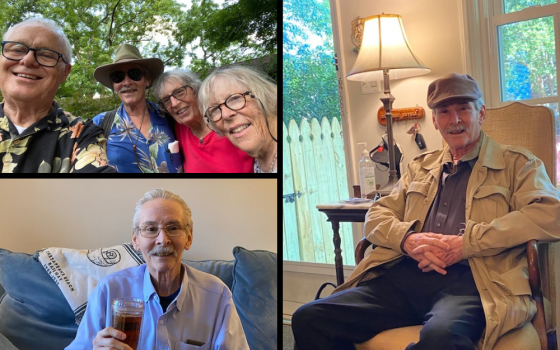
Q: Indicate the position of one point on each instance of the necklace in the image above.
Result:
(273, 162)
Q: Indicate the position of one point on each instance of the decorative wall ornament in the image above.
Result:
(357, 33)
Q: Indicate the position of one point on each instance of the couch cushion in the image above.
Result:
(254, 294)
(220, 268)
(5, 344)
(33, 303)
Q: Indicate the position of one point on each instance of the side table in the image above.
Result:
(338, 212)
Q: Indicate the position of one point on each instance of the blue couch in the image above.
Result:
(35, 315)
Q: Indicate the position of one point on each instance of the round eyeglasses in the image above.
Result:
(178, 93)
(152, 231)
(15, 51)
(234, 102)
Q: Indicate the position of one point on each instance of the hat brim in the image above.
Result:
(154, 65)
(451, 99)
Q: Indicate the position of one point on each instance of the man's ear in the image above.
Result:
(189, 241)
(434, 120)
(67, 69)
(482, 114)
(135, 241)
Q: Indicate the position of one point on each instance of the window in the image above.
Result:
(314, 164)
(513, 47)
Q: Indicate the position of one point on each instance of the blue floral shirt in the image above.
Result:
(152, 153)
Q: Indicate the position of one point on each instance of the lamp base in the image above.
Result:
(391, 183)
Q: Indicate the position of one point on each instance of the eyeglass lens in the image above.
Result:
(17, 51)
(134, 74)
(153, 231)
(177, 93)
(234, 102)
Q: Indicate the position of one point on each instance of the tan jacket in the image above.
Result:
(510, 200)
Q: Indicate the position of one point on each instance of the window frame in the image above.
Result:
(481, 38)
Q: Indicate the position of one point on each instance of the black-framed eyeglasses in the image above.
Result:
(15, 51)
(119, 75)
(152, 231)
(234, 102)
(178, 93)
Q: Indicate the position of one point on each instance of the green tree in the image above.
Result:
(309, 84)
(96, 28)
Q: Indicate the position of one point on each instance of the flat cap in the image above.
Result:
(453, 87)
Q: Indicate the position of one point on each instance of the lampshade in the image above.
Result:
(385, 47)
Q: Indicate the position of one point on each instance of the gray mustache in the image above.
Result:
(456, 128)
(126, 89)
(163, 250)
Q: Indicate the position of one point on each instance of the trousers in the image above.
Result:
(448, 306)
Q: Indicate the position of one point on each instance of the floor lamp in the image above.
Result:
(386, 54)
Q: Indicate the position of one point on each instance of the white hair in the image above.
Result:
(52, 26)
(252, 79)
(160, 193)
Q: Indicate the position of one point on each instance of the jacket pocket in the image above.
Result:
(416, 197)
(490, 202)
(514, 281)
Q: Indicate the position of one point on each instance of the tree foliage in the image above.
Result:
(310, 84)
(96, 28)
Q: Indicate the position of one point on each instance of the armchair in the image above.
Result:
(533, 128)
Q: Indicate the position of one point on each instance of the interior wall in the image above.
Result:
(435, 34)
(88, 213)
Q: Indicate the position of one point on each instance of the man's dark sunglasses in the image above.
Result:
(118, 75)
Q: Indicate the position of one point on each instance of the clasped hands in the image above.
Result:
(434, 251)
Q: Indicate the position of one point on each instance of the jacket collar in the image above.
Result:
(490, 156)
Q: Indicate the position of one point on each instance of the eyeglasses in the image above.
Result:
(15, 51)
(152, 231)
(178, 93)
(234, 102)
(118, 75)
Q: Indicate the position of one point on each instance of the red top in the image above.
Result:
(216, 154)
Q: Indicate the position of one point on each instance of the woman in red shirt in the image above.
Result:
(203, 150)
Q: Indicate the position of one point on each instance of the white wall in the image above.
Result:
(88, 214)
(434, 31)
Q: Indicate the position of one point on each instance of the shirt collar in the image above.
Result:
(150, 290)
(471, 157)
(155, 117)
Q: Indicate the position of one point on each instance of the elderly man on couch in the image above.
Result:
(182, 305)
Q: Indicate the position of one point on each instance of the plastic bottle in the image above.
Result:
(367, 173)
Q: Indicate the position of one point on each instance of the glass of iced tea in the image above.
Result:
(127, 317)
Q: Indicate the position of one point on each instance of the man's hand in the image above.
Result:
(107, 339)
(434, 254)
(437, 248)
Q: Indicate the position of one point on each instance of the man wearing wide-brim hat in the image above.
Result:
(139, 138)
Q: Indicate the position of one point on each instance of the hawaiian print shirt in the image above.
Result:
(58, 143)
(151, 153)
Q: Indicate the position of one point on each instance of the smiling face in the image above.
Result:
(131, 92)
(245, 128)
(459, 124)
(162, 253)
(26, 81)
(185, 110)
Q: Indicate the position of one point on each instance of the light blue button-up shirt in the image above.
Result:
(202, 312)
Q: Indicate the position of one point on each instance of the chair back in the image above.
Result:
(532, 127)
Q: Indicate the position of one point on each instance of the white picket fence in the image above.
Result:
(314, 165)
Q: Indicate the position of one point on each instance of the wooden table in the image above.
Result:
(338, 212)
